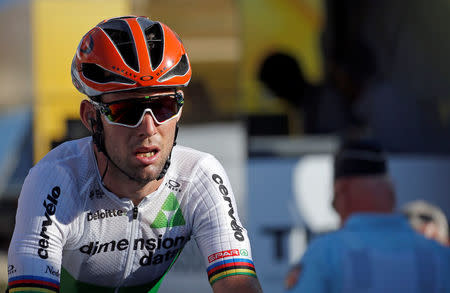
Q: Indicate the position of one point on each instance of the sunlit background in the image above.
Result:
(276, 85)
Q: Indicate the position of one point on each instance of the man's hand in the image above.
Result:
(292, 277)
(237, 284)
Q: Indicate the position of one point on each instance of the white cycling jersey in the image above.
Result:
(74, 235)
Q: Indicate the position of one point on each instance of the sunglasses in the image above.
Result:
(131, 112)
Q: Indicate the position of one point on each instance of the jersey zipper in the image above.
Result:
(131, 252)
(135, 212)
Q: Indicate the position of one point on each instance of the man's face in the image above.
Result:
(140, 152)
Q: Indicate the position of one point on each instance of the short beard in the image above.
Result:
(134, 177)
(146, 180)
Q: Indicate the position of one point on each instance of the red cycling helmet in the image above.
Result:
(127, 53)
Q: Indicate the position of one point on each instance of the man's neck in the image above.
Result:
(130, 189)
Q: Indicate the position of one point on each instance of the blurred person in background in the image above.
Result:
(112, 212)
(427, 219)
(292, 87)
(328, 107)
(376, 250)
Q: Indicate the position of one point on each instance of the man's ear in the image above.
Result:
(340, 192)
(88, 115)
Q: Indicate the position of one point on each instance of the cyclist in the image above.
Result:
(112, 213)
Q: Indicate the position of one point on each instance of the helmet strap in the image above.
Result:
(167, 164)
(97, 133)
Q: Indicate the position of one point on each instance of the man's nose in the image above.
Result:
(148, 125)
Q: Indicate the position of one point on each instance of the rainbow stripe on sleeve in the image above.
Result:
(32, 284)
(225, 268)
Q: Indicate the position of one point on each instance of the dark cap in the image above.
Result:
(359, 158)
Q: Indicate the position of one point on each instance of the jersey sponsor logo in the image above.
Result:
(156, 259)
(224, 191)
(169, 215)
(52, 271)
(223, 254)
(11, 269)
(153, 245)
(173, 185)
(96, 194)
(150, 244)
(50, 209)
(103, 214)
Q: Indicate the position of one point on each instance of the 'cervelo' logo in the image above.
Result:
(169, 215)
(50, 210)
(234, 225)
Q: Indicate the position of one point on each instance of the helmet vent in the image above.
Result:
(120, 33)
(100, 75)
(178, 70)
(155, 43)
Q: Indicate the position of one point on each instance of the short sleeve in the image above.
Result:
(35, 252)
(220, 235)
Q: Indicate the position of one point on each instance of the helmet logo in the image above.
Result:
(87, 46)
(146, 77)
(123, 71)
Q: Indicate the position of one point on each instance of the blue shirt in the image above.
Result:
(374, 253)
